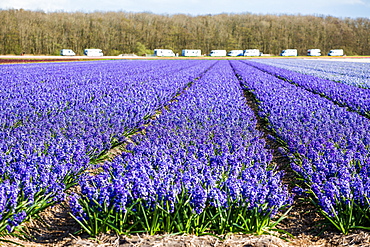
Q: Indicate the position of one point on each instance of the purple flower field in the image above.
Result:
(192, 158)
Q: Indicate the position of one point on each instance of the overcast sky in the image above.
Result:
(338, 8)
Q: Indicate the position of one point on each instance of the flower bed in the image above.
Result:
(201, 167)
(357, 99)
(350, 73)
(57, 118)
(329, 145)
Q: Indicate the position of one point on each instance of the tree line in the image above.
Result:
(37, 32)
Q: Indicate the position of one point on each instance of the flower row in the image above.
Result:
(350, 73)
(201, 167)
(329, 145)
(55, 118)
(357, 99)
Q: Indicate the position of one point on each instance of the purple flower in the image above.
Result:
(198, 199)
